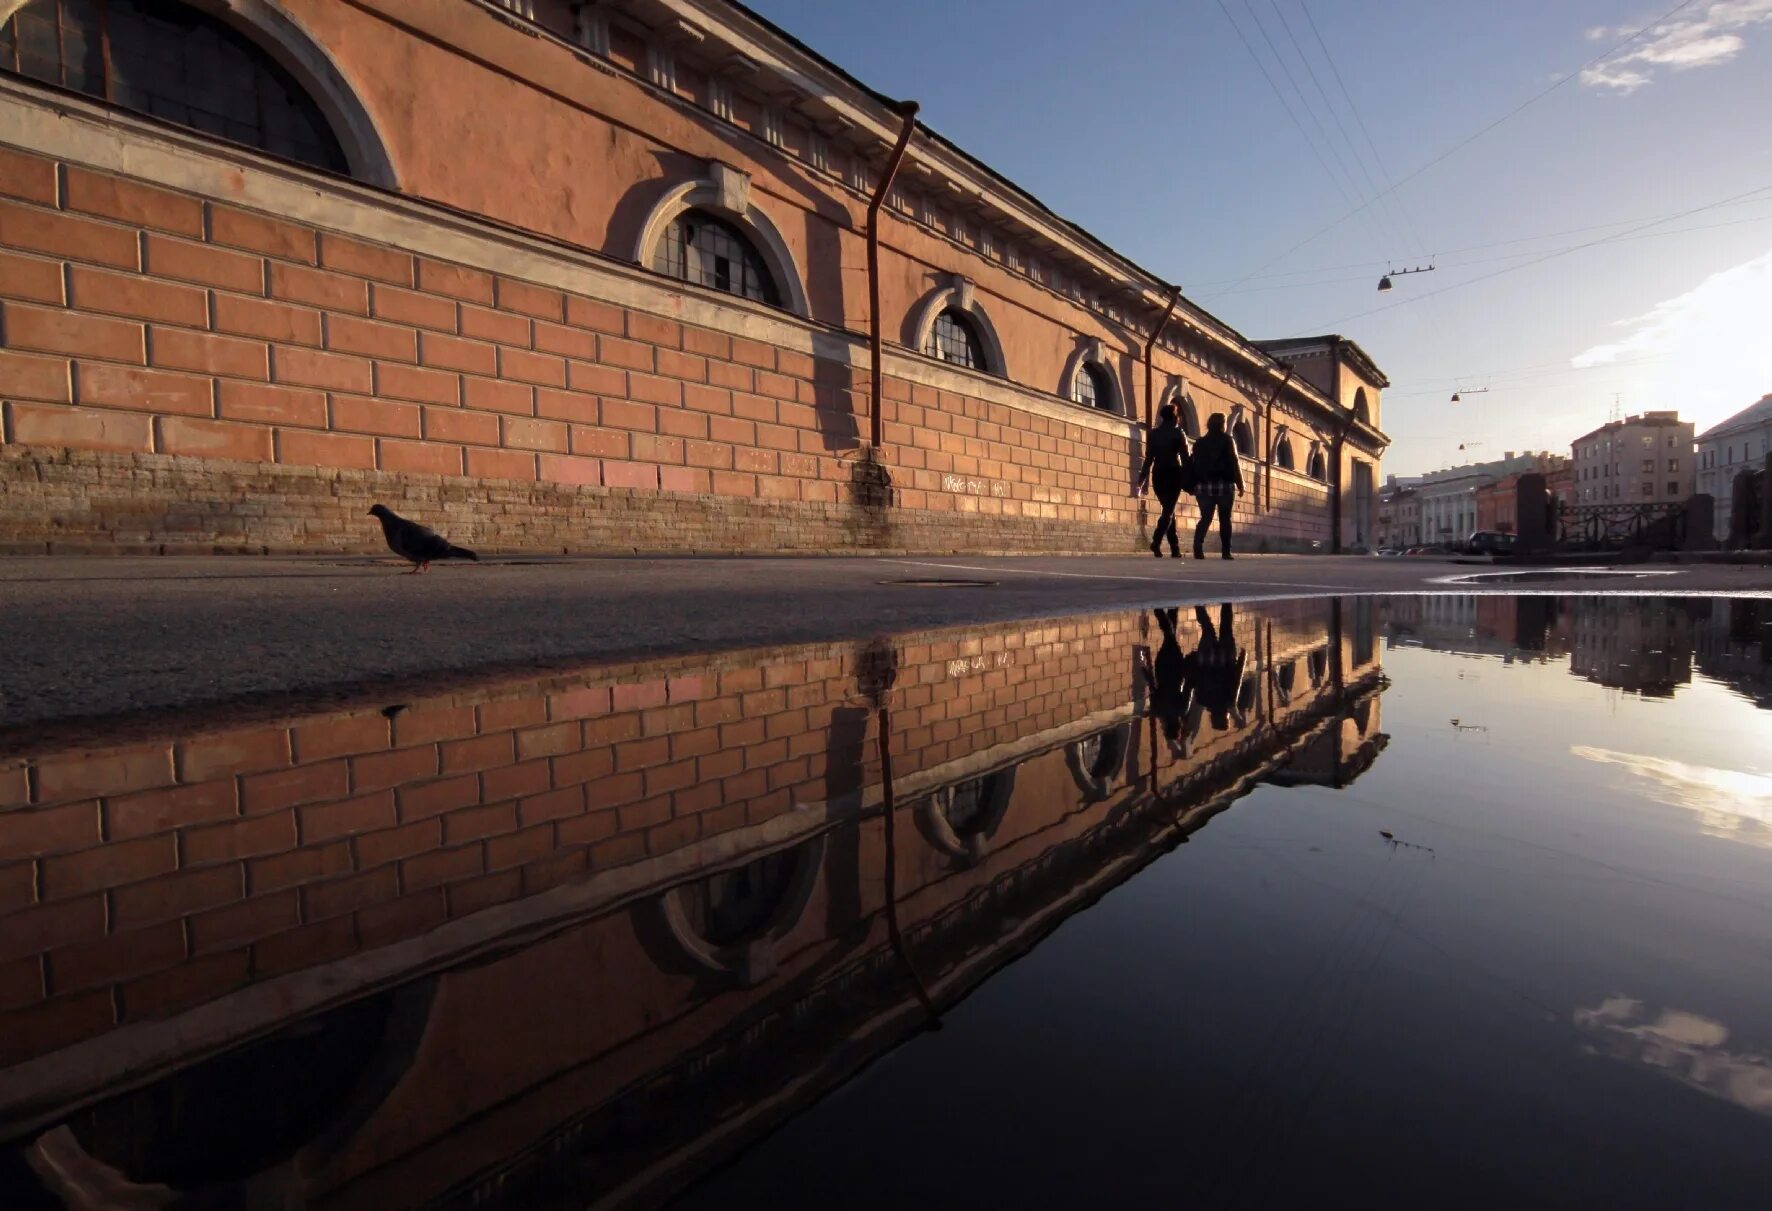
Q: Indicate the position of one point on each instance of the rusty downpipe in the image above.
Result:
(1267, 444)
(877, 380)
(1150, 399)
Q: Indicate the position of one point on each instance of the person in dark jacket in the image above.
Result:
(1165, 466)
(1214, 669)
(1171, 696)
(1220, 474)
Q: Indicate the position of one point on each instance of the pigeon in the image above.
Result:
(414, 542)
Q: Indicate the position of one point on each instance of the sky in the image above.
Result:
(1492, 141)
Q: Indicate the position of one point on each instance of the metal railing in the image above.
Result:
(1614, 527)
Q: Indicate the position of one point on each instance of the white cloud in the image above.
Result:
(1706, 37)
(1712, 355)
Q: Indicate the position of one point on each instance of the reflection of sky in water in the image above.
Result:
(1685, 1046)
(1733, 804)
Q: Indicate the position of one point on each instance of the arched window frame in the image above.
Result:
(288, 43)
(1362, 406)
(957, 293)
(1316, 464)
(1241, 432)
(1283, 456)
(1177, 393)
(1092, 353)
(725, 193)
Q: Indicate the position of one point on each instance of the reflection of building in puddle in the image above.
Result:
(1732, 804)
(1734, 646)
(1685, 1046)
(1642, 645)
(619, 922)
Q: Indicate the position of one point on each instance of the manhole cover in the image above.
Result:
(939, 582)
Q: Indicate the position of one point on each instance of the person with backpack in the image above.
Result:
(1220, 475)
(1166, 467)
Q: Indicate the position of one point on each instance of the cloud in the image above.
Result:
(1732, 804)
(1710, 346)
(1682, 1045)
(1709, 36)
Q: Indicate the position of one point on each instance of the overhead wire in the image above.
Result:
(1474, 136)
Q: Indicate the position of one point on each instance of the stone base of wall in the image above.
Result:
(60, 501)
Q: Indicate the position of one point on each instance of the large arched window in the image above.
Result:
(1243, 438)
(1283, 453)
(953, 338)
(705, 251)
(1317, 468)
(1091, 387)
(168, 60)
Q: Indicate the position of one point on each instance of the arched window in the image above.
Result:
(1362, 409)
(1091, 387)
(705, 251)
(1283, 453)
(1243, 438)
(1317, 468)
(170, 61)
(954, 338)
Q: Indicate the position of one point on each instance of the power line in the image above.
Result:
(1621, 238)
(1471, 138)
(1538, 260)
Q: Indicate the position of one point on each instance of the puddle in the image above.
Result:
(1229, 906)
(1539, 575)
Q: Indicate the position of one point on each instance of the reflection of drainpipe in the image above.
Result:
(1150, 399)
(908, 111)
(890, 808)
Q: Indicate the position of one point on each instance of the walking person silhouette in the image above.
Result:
(1171, 694)
(1215, 668)
(1166, 467)
(1220, 474)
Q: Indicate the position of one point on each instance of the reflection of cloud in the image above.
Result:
(1706, 37)
(1681, 1045)
(1733, 804)
(1710, 342)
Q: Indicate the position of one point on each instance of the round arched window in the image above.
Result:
(170, 61)
(1243, 439)
(1317, 468)
(1092, 388)
(705, 251)
(1283, 453)
(954, 338)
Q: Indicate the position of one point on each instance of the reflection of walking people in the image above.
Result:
(1220, 474)
(1167, 676)
(1166, 466)
(1215, 668)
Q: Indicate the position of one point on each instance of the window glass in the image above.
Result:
(952, 338)
(705, 251)
(169, 61)
(1091, 387)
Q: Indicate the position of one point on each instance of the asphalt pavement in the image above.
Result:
(92, 638)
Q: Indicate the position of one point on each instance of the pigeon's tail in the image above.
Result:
(460, 553)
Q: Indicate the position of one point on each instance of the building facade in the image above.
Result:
(1498, 504)
(1399, 513)
(1449, 498)
(1644, 459)
(1738, 444)
(575, 276)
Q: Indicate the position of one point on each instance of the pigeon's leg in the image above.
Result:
(416, 569)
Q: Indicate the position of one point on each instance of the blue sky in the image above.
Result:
(1149, 123)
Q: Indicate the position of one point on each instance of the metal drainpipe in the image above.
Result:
(908, 111)
(1267, 448)
(1150, 399)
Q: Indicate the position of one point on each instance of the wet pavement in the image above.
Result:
(1454, 900)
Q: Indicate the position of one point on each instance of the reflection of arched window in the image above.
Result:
(732, 906)
(1286, 678)
(1091, 387)
(968, 806)
(1283, 453)
(1318, 467)
(953, 338)
(705, 251)
(172, 62)
(1247, 694)
(1318, 663)
(1243, 438)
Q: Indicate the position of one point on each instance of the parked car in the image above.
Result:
(1388, 552)
(1489, 542)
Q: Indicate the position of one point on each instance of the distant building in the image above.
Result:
(1448, 499)
(1644, 459)
(1498, 503)
(1399, 513)
(1738, 444)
